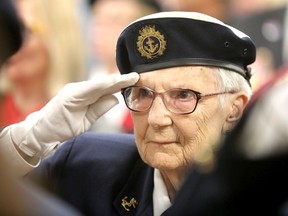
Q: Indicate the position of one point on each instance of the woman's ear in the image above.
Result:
(237, 106)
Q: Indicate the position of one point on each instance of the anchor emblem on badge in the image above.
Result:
(151, 43)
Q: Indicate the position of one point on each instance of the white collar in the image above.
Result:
(161, 200)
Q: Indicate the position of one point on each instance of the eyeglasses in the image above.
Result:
(177, 101)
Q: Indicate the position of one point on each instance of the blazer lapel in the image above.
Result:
(136, 196)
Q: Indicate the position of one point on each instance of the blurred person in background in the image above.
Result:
(53, 54)
(109, 18)
(17, 199)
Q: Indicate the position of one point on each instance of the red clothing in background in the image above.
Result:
(10, 114)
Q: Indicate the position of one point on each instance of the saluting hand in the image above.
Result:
(71, 112)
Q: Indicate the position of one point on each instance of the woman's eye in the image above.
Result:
(183, 94)
(144, 93)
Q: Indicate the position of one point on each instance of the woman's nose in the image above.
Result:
(158, 114)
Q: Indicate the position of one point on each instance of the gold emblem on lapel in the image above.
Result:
(151, 43)
(128, 205)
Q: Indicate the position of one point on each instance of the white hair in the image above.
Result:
(231, 81)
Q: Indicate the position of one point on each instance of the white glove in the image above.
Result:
(71, 112)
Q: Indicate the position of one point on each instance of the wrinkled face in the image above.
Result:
(170, 141)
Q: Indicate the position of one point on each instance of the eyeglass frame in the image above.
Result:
(199, 96)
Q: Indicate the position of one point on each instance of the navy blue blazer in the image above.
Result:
(99, 174)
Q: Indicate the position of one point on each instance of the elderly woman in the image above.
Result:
(193, 88)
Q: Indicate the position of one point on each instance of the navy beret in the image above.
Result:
(171, 39)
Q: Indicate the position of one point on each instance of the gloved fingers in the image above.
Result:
(88, 92)
(99, 108)
(123, 81)
(108, 85)
(81, 94)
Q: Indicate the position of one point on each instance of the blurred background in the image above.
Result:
(68, 41)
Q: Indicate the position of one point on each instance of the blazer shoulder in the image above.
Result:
(95, 147)
(89, 152)
(103, 144)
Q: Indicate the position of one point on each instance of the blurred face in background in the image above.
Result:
(29, 65)
(110, 17)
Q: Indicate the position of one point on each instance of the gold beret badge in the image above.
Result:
(151, 43)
